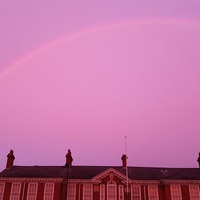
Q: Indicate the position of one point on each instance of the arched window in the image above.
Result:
(111, 191)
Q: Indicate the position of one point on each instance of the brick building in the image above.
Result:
(70, 182)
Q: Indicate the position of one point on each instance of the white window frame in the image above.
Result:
(111, 188)
(49, 194)
(2, 187)
(153, 196)
(121, 192)
(15, 192)
(71, 191)
(173, 196)
(32, 192)
(87, 192)
(194, 196)
(102, 192)
(135, 196)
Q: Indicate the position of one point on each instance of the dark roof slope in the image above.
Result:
(88, 172)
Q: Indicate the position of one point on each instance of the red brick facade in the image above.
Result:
(98, 182)
(61, 185)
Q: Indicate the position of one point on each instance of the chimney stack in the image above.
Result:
(124, 160)
(198, 160)
(69, 159)
(10, 159)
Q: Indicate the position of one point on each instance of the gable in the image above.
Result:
(111, 172)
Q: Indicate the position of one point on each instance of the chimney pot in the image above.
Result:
(124, 161)
(198, 160)
(69, 159)
(10, 159)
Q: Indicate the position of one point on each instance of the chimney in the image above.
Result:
(124, 160)
(10, 159)
(69, 159)
(198, 160)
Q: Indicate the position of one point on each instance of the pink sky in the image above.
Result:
(85, 77)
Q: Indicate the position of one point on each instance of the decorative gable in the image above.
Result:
(109, 173)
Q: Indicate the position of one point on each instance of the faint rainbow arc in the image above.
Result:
(34, 53)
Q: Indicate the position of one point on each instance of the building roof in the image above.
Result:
(89, 172)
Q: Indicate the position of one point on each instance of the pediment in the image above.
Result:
(109, 172)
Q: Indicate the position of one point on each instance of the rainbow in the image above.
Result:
(73, 36)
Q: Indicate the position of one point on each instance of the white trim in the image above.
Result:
(153, 186)
(109, 185)
(102, 192)
(85, 196)
(144, 182)
(135, 186)
(19, 191)
(83, 181)
(179, 189)
(47, 193)
(120, 192)
(198, 193)
(29, 192)
(72, 195)
(2, 190)
(180, 182)
(107, 172)
(43, 180)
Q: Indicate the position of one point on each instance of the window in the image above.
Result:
(87, 192)
(135, 192)
(32, 191)
(153, 192)
(71, 192)
(102, 192)
(111, 190)
(15, 191)
(194, 192)
(176, 192)
(48, 191)
(121, 192)
(2, 185)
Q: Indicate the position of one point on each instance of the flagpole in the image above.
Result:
(126, 166)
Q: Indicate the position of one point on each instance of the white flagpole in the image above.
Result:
(126, 166)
